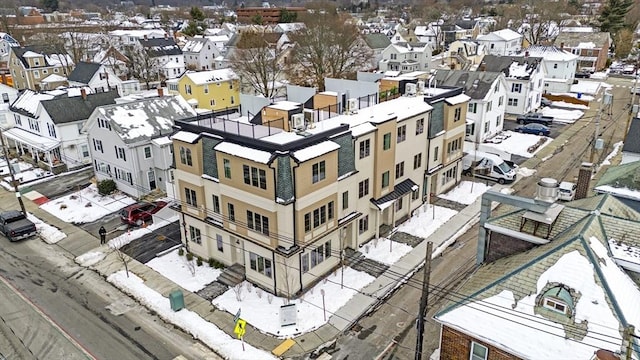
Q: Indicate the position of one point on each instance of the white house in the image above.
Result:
(132, 37)
(559, 66)
(524, 77)
(487, 90)
(9, 95)
(6, 43)
(405, 57)
(428, 34)
(48, 126)
(199, 53)
(129, 142)
(98, 77)
(501, 42)
(167, 55)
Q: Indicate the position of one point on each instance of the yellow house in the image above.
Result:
(216, 90)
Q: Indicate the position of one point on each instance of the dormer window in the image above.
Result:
(558, 299)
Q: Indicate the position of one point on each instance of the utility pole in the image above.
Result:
(423, 301)
(606, 101)
(13, 176)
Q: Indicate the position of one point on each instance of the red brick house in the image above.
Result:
(592, 48)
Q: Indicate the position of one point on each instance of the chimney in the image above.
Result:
(561, 46)
(160, 92)
(526, 54)
(584, 178)
(145, 37)
(166, 36)
(83, 92)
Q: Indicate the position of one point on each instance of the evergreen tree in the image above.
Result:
(612, 17)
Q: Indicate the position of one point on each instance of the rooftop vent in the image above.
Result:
(547, 190)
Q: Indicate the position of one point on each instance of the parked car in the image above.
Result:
(534, 128)
(141, 212)
(15, 226)
(582, 74)
(635, 90)
(545, 102)
(567, 191)
(534, 117)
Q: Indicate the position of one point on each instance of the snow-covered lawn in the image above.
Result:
(385, 251)
(49, 233)
(26, 173)
(86, 205)
(518, 144)
(466, 192)
(567, 105)
(90, 258)
(424, 223)
(264, 314)
(561, 115)
(175, 268)
(602, 75)
(587, 87)
(189, 321)
(132, 234)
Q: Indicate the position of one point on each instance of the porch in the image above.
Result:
(35, 149)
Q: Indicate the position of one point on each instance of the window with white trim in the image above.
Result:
(258, 223)
(194, 235)
(316, 256)
(260, 264)
(478, 352)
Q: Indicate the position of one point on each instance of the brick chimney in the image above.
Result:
(526, 54)
(83, 92)
(561, 46)
(160, 92)
(584, 178)
(146, 37)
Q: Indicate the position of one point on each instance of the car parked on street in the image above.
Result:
(534, 128)
(139, 213)
(15, 226)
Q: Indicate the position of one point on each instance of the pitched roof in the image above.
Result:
(161, 47)
(83, 72)
(622, 180)
(549, 53)
(633, 133)
(146, 119)
(211, 76)
(582, 39)
(518, 67)
(64, 109)
(504, 35)
(476, 84)
(501, 303)
(51, 55)
(194, 45)
(376, 40)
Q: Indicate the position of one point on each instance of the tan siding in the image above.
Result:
(237, 175)
(276, 118)
(322, 229)
(321, 101)
(384, 159)
(304, 174)
(196, 157)
(200, 210)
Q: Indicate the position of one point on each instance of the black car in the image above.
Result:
(533, 128)
(583, 74)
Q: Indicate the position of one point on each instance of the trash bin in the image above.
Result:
(176, 299)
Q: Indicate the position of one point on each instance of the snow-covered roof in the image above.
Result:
(54, 78)
(244, 152)
(458, 99)
(285, 105)
(161, 141)
(211, 76)
(549, 53)
(185, 136)
(315, 151)
(504, 35)
(27, 103)
(146, 119)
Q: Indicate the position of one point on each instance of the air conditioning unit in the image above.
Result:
(352, 106)
(308, 117)
(420, 86)
(411, 89)
(298, 121)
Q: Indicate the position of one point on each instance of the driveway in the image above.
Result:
(64, 184)
(148, 246)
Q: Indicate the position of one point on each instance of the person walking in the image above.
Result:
(103, 235)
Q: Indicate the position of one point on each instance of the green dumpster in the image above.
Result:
(177, 300)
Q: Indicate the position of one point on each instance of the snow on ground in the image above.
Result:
(26, 173)
(122, 240)
(49, 233)
(507, 190)
(587, 87)
(563, 104)
(607, 161)
(561, 115)
(189, 321)
(175, 268)
(525, 172)
(90, 258)
(601, 75)
(86, 205)
(256, 309)
(466, 192)
(424, 223)
(518, 144)
(385, 251)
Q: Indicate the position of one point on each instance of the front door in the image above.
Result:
(152, 180)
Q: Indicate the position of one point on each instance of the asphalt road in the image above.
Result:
(104, 321)
(65, 184)
(148, 246)
(391, 328)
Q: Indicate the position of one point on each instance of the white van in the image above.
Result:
(567, 191)
(487, 166)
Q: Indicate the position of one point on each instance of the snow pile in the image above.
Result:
(49, 233)
(189, 321)
(517, 144)
(525, 172)
(90, 258)
(612, 154)
(176, 268)
(262, 310)
(563, 116)
(122, 240)
(466, 192)
(426, 220)
(86, 205)
(567, 105)
(587, 87)
(602, 75)
(385, 251)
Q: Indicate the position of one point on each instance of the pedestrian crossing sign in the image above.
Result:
(241, 328)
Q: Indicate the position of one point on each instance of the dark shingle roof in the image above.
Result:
(377, 40)
(476, 84)
(83, 72)
(633, 134)
(44, 50)
(399, 190)
(503, 63)
(161, 47)
(65, 109)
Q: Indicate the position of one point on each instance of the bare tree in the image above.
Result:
(116, 247)
(141, 65)
(257, 62)
(328, 46)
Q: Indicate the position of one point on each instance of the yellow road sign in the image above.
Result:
(241, 328)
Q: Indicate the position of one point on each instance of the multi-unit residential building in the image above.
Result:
(166, 56)
(405, 57)
(283, 205)
(215, 90)
(129, 142)
(524, 77)
(30, 66)
(487, 90)
(200, 53)
(132, 37)
(559, 66)
(96, 76)
(6, 43)
(48, 126)
(501, 42)
(465, 54)
(592, 48)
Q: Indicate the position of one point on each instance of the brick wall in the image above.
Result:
(501, 245)
(456, 346)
